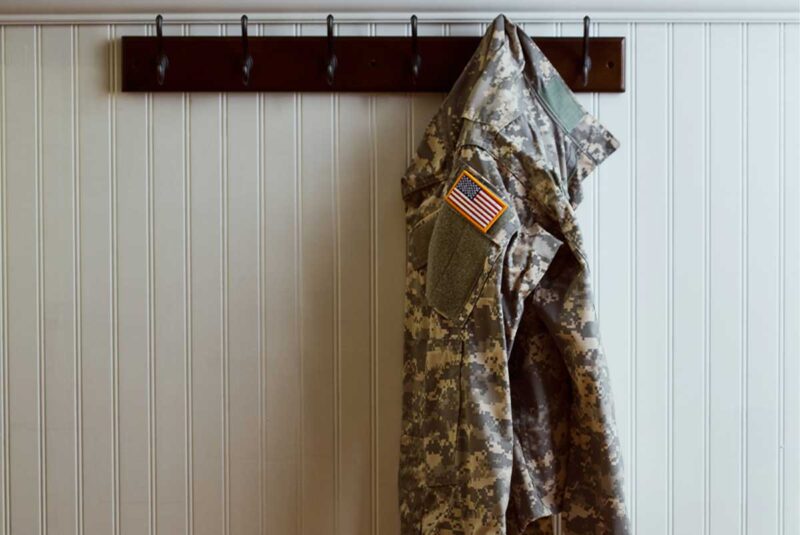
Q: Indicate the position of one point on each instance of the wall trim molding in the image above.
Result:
(448, 7)
(398, 17)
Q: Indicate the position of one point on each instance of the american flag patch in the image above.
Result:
(475, 202)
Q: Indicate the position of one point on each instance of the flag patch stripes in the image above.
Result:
(475, 202)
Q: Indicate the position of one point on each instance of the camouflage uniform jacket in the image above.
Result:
(508, 417)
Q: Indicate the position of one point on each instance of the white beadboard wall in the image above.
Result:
(201, 295)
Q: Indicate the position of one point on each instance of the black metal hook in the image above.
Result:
(332, 60)
(247, 59)
(416, 59)
(587, 61)
(162, 61)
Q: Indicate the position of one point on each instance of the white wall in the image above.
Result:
(201, 295)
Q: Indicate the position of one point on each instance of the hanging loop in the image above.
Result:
(162, 61)
(247, 58)
(587, 61)
(332, 60)
(416, 59)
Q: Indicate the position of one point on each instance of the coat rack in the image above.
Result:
(334, 63)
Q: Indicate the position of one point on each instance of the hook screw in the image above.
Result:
(416, 59)
(587, 61)
(332, 59)
(247, 58)
(162, 61)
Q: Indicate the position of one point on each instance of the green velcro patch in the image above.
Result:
(457, 263)
(562, 101)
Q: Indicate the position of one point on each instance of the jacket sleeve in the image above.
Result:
(592, 143)
(473, 227)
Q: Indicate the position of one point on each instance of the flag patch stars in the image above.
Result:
(475, 202)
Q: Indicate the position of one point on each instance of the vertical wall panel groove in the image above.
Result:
(335, 316)
(262, 350)
(42, 442)
(224, 315)
(78, 274)
(373, 304)
(262, 296)
(669, 119)
(632, 238)
(151, 460)
(201, 295)
(187, 312)
(262, 385)
(113, 84)
(300, 295)
(706, 278)
(781, 67)
(373, 299)
(5, 520)
(743, 28)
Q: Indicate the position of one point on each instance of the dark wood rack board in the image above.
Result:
(364, 64)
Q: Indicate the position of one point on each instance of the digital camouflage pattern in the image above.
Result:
(508, 417)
